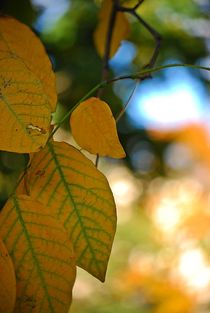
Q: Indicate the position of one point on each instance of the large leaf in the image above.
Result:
(120, 30)
(64, 179)
(94, 129)
(42, 255)
(7, 281)
(27, 88)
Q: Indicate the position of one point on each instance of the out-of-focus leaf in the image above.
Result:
(7, 281)
(42, 254)
(94, 128)
(27, 89)
(194, 135)
(120, 30)
(161, 293)
(65, 180)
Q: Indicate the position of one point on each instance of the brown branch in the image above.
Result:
(105, 61)
(116, 7)
(135, 7)
(157, 37)
(127, 103)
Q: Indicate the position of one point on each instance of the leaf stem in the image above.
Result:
(87, 95)
(141, 75)
(118, 117)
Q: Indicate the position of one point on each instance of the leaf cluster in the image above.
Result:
(62, 213)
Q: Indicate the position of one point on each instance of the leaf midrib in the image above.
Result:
(39, 271)
(60, 172)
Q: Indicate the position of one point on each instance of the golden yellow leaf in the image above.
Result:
(94, 128)
(43, 258)
(65, 180)
(27, 89)
(7, 281)
(22, 187)
(120, 31)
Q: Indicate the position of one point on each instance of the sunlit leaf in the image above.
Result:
(7, 281)
(65, 180)
(42, 255)
(22, 186)
(120, 30)
(27, 88)
(94, 128)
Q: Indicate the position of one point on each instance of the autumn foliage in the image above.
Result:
(62, 213)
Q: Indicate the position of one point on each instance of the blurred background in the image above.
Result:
(160, 261)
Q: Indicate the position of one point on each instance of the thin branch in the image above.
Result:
(105, 64)
(138, 4)
(120, 115)
(141, 75)
(135, 7)
(157, 37)
(105, 61)
(66, 116)
(127, 103)
(145, 73)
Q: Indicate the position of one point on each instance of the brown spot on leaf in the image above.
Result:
(40, 173)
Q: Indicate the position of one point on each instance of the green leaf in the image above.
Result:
(65, 180)
(42, 255)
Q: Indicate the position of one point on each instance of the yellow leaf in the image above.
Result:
(22, 187)
(65, 180)
(94, 128)
(7, 281)
(43, 259)
(120, 31)
(27, 89)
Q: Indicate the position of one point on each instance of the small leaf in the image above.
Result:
(120, 31)
(65, 180)
(27, 89)
(42, 255)
(7, 281)
(94, 129)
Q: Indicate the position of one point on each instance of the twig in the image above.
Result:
(135, 7)
(127, 103)
(157, 37)
(116, 7)
(105, 62)
(107, 48)
(141, 75)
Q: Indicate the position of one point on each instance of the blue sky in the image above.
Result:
(168, 102)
